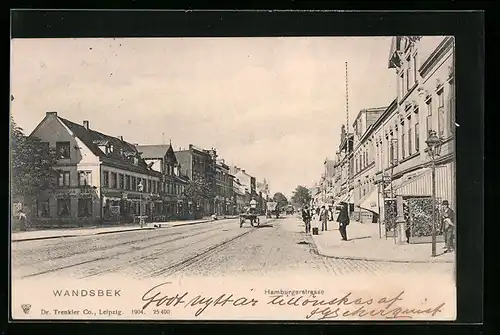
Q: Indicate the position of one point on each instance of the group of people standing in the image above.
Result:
(324, 215)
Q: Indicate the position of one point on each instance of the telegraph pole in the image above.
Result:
(348, 144)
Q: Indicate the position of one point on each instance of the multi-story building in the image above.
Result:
(161, 158)
(327, 182)
(363, 178)
(262, 189)
(99, 177)
(240, 196)
(425, 101)
(344, 168)
(224, 198)
(200, 165)
(247, 181)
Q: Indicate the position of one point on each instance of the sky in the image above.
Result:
(273, 106)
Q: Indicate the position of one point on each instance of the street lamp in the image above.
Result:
(140, 187)
(434, 149)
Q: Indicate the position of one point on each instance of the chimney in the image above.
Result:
(243, 171)
(86, 124)
(121, 138)
(51, 113)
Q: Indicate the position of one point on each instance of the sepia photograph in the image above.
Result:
(236, 178)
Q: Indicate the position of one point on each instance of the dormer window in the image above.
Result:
(111, 148)
(135, 161)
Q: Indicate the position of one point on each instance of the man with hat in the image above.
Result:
(449, 222)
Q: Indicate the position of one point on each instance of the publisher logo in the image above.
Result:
(26, 308)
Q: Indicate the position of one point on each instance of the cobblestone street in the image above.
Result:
(278, 247)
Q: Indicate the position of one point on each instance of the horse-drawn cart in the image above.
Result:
(252, 217)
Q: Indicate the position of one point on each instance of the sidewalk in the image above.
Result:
(74, 232)
(364, 243)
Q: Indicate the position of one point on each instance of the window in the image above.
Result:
(127, 183)
(113, 183)
(402, 85)
(440, 114)
(62, 149)
(105, 178)
(63, 207)
(64, 179)
(403, 153)
(410, 148)
(84, 178)
(42, 208)
(429, 117)
(84, 207)
(136, 161)
(409, 81)
(415, 67)
(149, 187)
(122, 181)
(451, 109)
(417, 137)
(134, 184)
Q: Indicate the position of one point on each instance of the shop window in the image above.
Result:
(63, 150)
(84, 178)
(63, 207)
(43, 209)
(64, 179)
(84, 207)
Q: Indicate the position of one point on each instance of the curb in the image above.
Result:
(43, 238)
(374, 259)
(109, 232)
(119, 231)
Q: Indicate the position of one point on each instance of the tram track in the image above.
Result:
(133, 249)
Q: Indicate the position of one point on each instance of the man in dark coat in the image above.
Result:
(343, 221)
(306, 217)
(449, 223)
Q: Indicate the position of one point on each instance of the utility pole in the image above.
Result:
(348, 144)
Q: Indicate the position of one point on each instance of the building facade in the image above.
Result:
(199, 164)
(424, 70)
(363, 178)
(248, 181)
(162, 159)
(98, 177)
(224, 198)
(344, 168)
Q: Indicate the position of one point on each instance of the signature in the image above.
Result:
(319, 309)
(156, 296)
(346, 306)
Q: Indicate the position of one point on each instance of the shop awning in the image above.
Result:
(419, 183)
(348, 197)
(370, 201)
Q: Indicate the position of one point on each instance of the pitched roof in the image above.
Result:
(158, 152)
(92, 139)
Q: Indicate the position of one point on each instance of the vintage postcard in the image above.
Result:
(277, 178)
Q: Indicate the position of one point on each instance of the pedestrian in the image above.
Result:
(306, 217)
(343, 221)
(323, 218)
(449, 224)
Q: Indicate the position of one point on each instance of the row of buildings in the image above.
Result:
(103, 178)
(386, 155)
